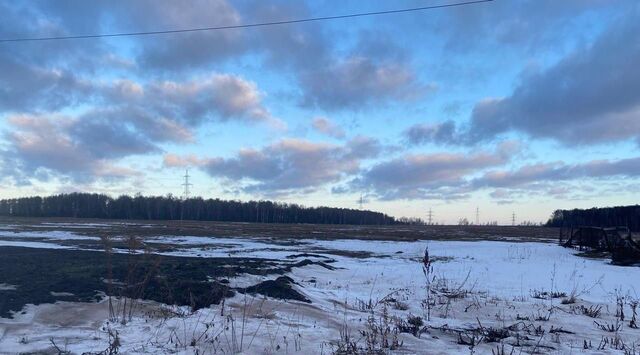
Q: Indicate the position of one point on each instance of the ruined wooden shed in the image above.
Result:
(618, 241)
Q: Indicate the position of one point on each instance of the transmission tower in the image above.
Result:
(186, 184)
(513, 219)
(430, 216)
(360, 201)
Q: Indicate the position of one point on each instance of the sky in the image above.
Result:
(505, 107)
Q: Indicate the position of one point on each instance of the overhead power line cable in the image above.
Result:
(247, 25)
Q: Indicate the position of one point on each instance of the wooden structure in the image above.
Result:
(618, 241)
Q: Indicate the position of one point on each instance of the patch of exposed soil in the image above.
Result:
(42, 276)
(279, 288)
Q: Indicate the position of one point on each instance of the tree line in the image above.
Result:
(87, 205)
(626, 216)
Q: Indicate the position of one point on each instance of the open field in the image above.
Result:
(201, 288)
(293, 231)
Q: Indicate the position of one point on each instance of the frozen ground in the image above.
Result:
(484, 294)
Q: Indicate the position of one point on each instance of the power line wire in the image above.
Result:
(248, 25)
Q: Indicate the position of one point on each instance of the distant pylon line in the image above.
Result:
(186, 185)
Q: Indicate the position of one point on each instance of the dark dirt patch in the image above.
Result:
(84, 274)
(306, 262)
(593, 254)
(307, 255)
(347, 253)
(279, 288)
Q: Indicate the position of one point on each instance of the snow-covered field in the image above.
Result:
(484, 294)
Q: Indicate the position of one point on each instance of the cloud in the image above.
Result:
(451, 176)
(558, 171)
(356, 82)
(171, 160)
(441, 133)
(169, 109)
(297, 47)
(213, 97)
(419, 176)
(325, 126)
(82, 148)
(105, 139)
(289, 165)
(527, 25)
(27, 87)
(374, 68)
(191, 50)
(124, 118)
(363, 147)
(236, 97)
(590, 96)
(164, 52)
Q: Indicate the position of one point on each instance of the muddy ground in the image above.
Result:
(316, 231)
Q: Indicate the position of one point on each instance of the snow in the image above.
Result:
(74, 225)
(500, 276)
(31, 244)
(6, 287)
(53, 235)
(44, 239)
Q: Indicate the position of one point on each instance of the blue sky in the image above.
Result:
(508, 106)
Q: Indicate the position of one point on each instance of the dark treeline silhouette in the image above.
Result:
(626, 216)
(86, 205)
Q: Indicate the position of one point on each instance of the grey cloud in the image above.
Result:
(134, 119)
(299, 47)
(166, 52)
(42, 20)
(373, 69)
(170, 55)
(192, 50)
(590, 96)
(551, 172)
(106, 139)
(291, 165)
(327, 127)
(82, 148)
(417, 176)
(440, 133)
(356, 82)
(156, 128)
(25, 87)
(527, 24)
(363, 147)
(205, 98)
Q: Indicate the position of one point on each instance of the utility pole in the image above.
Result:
(477, 216)
(430, 216)
(186, 185)
(513, 219)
